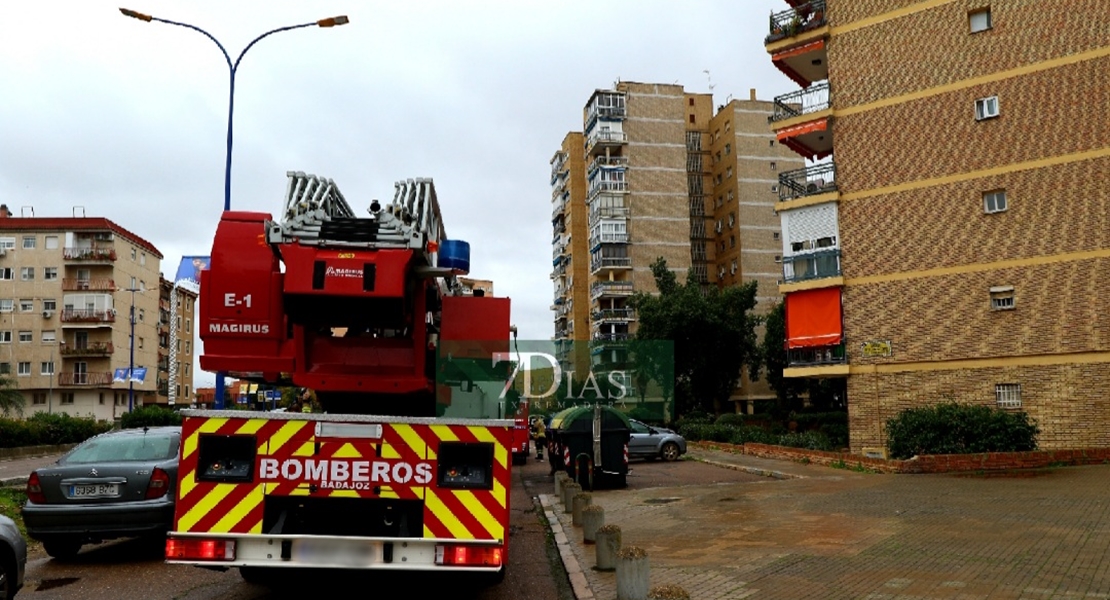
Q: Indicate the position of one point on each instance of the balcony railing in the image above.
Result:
(88, 315)
(821, 355)
(815, 98)
(557, 164)
(93, 254)
(606, 186)
(605, 106)
(615, 314)
(608, 212)
(81, 379)
(610, 288)
(811, 265)
(608, 238)
(558, 206)
(790, 23)
(598, 264)
(611, 337)
(606, 161)
(89, 349)
(809, 181)
(605, 137)
(96, 285)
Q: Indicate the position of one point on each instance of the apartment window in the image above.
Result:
(142, 258)
(5, 368)
(179, 345)
(6, 273)
(6, 305)
(728, 173)
(728, 149)
(67, 397)
(140, 343)
(132, 286)
(186, 369)
(23, 369)
(732, 241)
(47, 368)
(717, 158)
(29, 242)
(188, 346)
(49, 304)
(731, 220)
(38, 398)
(979, 20)
(51, 242)
(690, 101)
(994, 202)
(142, 314)
(26, 336)
(27, 273)
(774, 189)
(49, 336)
(142, 286)
(1002, 297)
(730, 195)
(7, 243)
(50, 273)
(1007, 395)
(718, 180)
(186, 391)
(732, 269)
(728, 125)
(188, 325)
(773, 165)
(6, 337)
(101, 398)
(134, 254)
(775, 235)
(692, 120)
(772, 143)
(26, 306)
(986, 108)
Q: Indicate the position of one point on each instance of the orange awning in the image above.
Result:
(779, 60)
(813, 318)
(803, 128)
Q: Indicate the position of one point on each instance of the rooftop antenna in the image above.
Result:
(80, 209)
(23, 210)
(709, 79)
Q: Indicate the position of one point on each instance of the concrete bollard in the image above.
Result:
(608, 544)
(578, 503)
(569, 490)
(561, 479)
(593, 517)
(668, 592)
(632, 574)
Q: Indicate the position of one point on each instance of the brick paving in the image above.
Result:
(823, 533)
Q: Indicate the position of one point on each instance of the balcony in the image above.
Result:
(809, 137)
(803, 17)
(608, 212)
(557, 163)
(95, 285)
(606, 105)
(598, 141)
(607, 186)
(91, 254)
(88, 315)
(90, 349)
(802, 102)
(599, 265)
(811, 265)
(614, 315)
(810, 181)
(558, 207)
(610, 289)
(817, 356)
(72, 379)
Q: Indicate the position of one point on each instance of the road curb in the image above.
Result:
(746, 469)
(13, 482)
(577, 577)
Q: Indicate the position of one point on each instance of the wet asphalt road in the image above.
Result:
(134, 568)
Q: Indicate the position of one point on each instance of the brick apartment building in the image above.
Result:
(656, 172)
(949, 238)
(175, 343)
(64, 313)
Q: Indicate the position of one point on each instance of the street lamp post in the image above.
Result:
(131, 360)
(233, 67)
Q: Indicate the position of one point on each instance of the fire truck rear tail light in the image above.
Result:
(468, 556)
(200, 549)
(226, 458)
(465, 465)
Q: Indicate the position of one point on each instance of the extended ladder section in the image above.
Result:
(316, 213)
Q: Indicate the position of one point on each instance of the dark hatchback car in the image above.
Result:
(118, 484)
(13, 559)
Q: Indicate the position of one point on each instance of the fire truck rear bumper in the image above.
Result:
(334, 552)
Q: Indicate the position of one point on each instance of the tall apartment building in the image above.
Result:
(952, 244)
(175, 343)
(64, 312)
(640, 183)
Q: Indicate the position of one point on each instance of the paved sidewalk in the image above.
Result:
(14, 472)
(815, 532)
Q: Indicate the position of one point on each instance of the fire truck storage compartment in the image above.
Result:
(359, 517)
(572, 431)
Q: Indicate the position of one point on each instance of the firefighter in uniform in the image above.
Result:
(541, 437)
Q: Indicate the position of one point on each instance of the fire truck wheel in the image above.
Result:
(62, 548)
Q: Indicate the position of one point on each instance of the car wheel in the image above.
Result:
(7, 579)
(62, 549)
(669, 452)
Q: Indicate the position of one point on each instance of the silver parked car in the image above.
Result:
(118, 484)
(13, 558)
(654, 442)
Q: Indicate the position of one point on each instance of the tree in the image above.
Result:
(823, 394)
(713, 332)
(11, 400)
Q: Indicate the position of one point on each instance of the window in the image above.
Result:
(102, 397)
(6, 305)
(986, 108)
(728, 125)
(186, 391)
(27, 273)
(979, 20)
(6, 273)
(51, 242)
(26, 305)
(5, 368)
(23, 369)
(26, 336)
(47, 368)
(50, 273)
(142, 258)
(49, 336)
(38, 398)
(188, 346)
(773, 166)
(731, 220)
(67, 397)
(29, 242)
(140, 343)
(49, 304)
(186, 370)
(5, 337)
(7, 243)
(733, 268)
(728, 149)
(142, 314)
(776, 235)
(132, 286)
(692, 119)
(728, 173)
(1002, 297)
(730, 195)
(994, 202)
(690, 101)
(1007, 395)
(772, 143)
(134, 254)
(142, 286)
(188, 325)
(732, 241)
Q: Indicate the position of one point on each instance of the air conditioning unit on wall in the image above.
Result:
(46, 314)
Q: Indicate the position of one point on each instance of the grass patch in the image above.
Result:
(11, 500)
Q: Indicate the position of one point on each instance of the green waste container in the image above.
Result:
(591, 444)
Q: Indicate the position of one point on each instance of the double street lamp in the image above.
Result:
(233, 67)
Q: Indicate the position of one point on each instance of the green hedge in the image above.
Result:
(150, 416)
(730, 434)
(45, 428)
(951, 428)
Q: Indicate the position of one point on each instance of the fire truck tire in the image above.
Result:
(62, 548)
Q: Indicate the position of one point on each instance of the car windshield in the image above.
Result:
(124, 448)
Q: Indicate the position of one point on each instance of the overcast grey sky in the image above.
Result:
(127, 119)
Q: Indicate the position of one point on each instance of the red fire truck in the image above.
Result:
(408, 466)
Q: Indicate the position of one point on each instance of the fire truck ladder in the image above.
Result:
(316, 213)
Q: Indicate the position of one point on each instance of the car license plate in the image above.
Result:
(333, 552)
(100, 490)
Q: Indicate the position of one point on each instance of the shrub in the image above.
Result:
(734, 419)
(951, 428)
(150, 416)
(45, 428)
